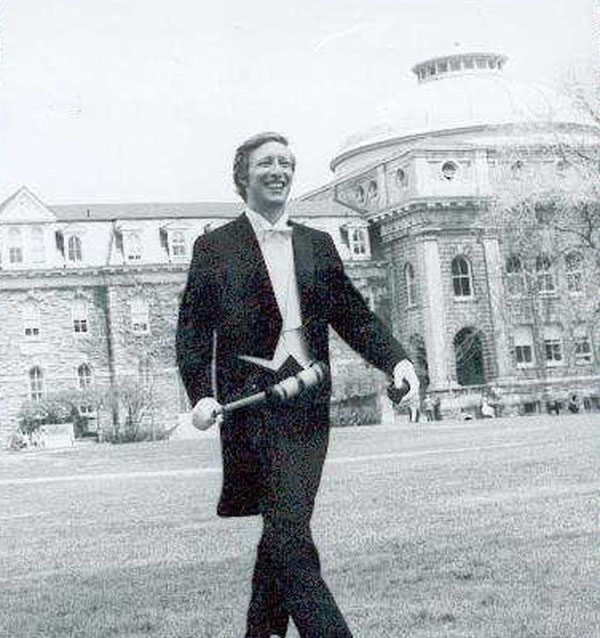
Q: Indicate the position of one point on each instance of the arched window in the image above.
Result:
(139, 315)
(468, 350)
(562, 167)
(372, 190)
(517, 168)
(74, 249)
(411, 285)
(84, 376)
(544, 274)
(15, 246)
(461, 277)
(401, 178)
(574, 268)
(514, 273)
(36, 384)
(359, 195)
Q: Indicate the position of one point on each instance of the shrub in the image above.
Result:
(51, 409)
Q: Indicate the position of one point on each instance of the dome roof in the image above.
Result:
(463, 91)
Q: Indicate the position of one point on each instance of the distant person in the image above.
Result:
(487, 410)
(261, 294)
(429, 408)
(437, 408)
(574, 405)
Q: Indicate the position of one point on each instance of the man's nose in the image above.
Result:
(278, 167)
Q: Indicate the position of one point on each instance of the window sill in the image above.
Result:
(461, 299)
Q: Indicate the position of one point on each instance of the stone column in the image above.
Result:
(493, 263)
(434, 313)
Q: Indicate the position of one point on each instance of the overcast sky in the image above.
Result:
(146, 100)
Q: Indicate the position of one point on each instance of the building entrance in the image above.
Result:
(468, 351)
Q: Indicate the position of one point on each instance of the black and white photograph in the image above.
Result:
(300, 319)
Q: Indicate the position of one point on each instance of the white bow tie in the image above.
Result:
(272, 233)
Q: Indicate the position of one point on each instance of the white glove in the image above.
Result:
(405, 371)
(206, 413)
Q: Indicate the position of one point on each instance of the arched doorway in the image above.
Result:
(468, 351)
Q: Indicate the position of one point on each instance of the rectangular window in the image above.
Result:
(583, 349)
(574, 282)
(140, 322)
(545, 283)
(553, 344)
(15, 255)
(523, 340)
(31, 321)
(80, 325)
(178, 245)
(79, 314)
(524, 354)
(358, 241)
(553, 350)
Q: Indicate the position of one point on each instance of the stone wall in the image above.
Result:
(113, 350)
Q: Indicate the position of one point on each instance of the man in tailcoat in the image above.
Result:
(261, 293)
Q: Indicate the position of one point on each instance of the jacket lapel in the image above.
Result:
(253, 288)
(305, 268)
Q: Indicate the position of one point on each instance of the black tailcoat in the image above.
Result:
(229, 300)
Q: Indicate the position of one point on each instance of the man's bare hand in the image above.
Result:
(404, 372)
(206, 413)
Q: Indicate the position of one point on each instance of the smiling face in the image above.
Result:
(270, 173)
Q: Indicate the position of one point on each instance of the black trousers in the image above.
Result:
(287, 580)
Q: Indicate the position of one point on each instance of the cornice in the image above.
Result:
(93, 276)
(429, 204)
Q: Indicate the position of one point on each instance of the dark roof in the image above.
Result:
(224, 210)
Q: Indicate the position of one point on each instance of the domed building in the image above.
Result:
(424, 177)
(89, 293)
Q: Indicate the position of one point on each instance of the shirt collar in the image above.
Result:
(260, 224)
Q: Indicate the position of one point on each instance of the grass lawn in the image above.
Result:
(487, 529)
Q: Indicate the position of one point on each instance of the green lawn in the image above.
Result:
(487, 529)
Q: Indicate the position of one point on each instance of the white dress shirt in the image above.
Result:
(275, 241)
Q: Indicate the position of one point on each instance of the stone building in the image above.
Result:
(89, 297)
(89, 294)
(425, 178)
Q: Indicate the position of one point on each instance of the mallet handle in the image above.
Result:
(284, 390)
(244, 402)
